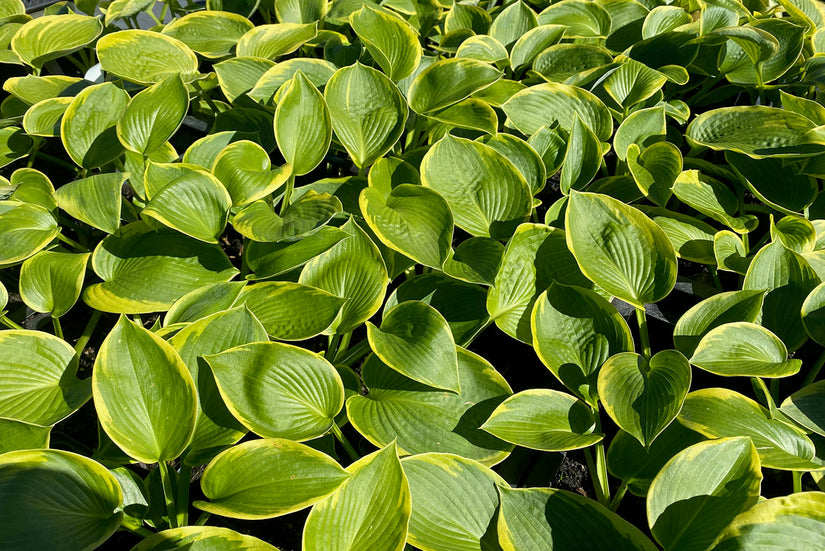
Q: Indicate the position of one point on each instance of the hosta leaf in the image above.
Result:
(662, 19)
(278, 390)
(146, 271)
(632, 83)
(244, 168)
(744, 349)
(368, 112)
(562, 62)
(239, 75)
(655, 169)
(471, 113)
(37, 378)
(582, 158)
(271, 41)
(89, 125)
(449, 81)
(813, 314)
(722, 413)
(303, 127)
(805, 407)
(699, 491)
(644, 396)
(191, 201)
(24, 230)
(533, 42)
(544, 419)
(449, 486)
(52, 36)
(121, 9)
(354, 270)
(242, 7)
(789, 279)
(755, 131)
(584, 19)
(77, 498)
(547, 518)
(643, 128)
(512, 22)
(14, 144)
(486, 193)
(204, 151)
(291, 311)
(773, 183)
(32, 89)
(211, 33)
(201, 538)
(483, 48)
(203, 301)
(720, 309)
(776, 522)
(50, 282)
(268, 478)
(300, 11)
(619, 248)
(19, 435)
(307, 215)
(712, 198)
(776, 50)
(268, 260)
(525, 271)
(729, 251)
(475, 260)
(795, 232)
(691, 238)
(411, 219)
(44, 118)
(415, 340)
(371, 510)
(526, 159)
(153, 115)
(574, 331)
(546, 104)
(145, 57)
(144, 395)
(424, 419)
(318, 71)
(212, 334)
(389, 40)
(32, 186)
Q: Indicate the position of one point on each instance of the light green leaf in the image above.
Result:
(145, 57)
(813, 314)
(655, 169)
(203, 301)
(50, 282)
(306, 216)
(513, 22)
(449, 81)
(318, 71)
(271, 41)
(475, 260)
(244, 168)
(774, 183)
(632, 83)
(795, 232)
(582, 158)
(691, 238)
(201, 538)
(530, 44)
(89, 125)
(94, 200)
(52, 36)
(526, 159)
(471, 113)
(24, 230)
(14, 144)
(213, 34)
(153, 115)
(268, 478)
(31, 89)
(19, 435)
(805, 407)
(239, 75)
(121, 9)
(584, 19)
(712, 198)
(663, 19)
(303, 127)
(32, 186)
(44, 118)
(300, 11)
(389, 40)
(268, 260)
(643, 128)
(565, 62)
(729, 251)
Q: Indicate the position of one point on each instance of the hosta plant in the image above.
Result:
(412, 274)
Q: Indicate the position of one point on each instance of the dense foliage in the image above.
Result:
(382, 269)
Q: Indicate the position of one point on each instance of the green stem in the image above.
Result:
(9, 323)
(290, 185)
(774, 388)
(641, 318)
(151, 14)
(814, 370)
(244, 263)
(81, 343)
(336, 431)
(617, 499)
(759, 386)
(332, 347)
(137, 319)
(202, 519)
(58, 329)
(72, 243)
(598, 484)
(168, 494)
(355, 353)
(133, 525)
(714, 275)
(797, 481)
(343, 345)
(184, 481)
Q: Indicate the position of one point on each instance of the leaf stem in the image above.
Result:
(336, 431)
(641, 318)
(355, 353)
(168, 494)
(72, 243)
(814, 370)
(9, 323)
(617, 499)
(58, 329)
(759, 385)
(599, 485)
(132, 525)
(81, 343)
(184, 481)
(797, 481)
(290, 186)
(343, 345)
(202, 518)
(332, 347)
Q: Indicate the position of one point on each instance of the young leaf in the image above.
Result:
(153, 115)
(193, 537)
(158, 56)
(244, 168)
(389, 40)
(303, 127)
(582, 159)
(89, 125)
(449, 81)
(50, 282)
(95, 200)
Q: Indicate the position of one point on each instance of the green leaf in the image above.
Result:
(318, 71)
(699, 491)
(714, 199)
(238, 76)
(32, 186)
(574, 331)
(483, 48)
(300, 11)
(268, 478)
(632, 83)
(121, 9)
(755, 131)
(780, 43)
(187, 199)
(449, 486)
(271, 41)
(411, 219)
(535, 257)
(723, 413)
(563, 62)
(144, 396)
(729, 251)
(201, 538)
(547, 518)
(371, 510)
(644, 396)
(655, 169)
(77, 498)
(19, 435)
(95, 200)
(268, 260)
(663, 19)
(50, 282)
(813, 314)
(583, 19)
(805, 407)
(744, 349)
(691, 238)
(535, 41)
(513, 22)
(486, 192)
(153, 115)
(203, 301)
(146, 271)
(526, 159)
(278, 390)
(550, 103)
(213, 34)
(354, 270)
(713, 312)
(14, 144)
(643, 128)
(244, 168)
(789, 279)
(31, 89)
(425, 419)
(44, 118)
(89, 126)
(471, 113)
(291, 311)
(55, 392)
(775, 523)
(619, 248)
(582, 159)
(415, 340)
(306, 216)
(303, 127)
(449, 81)
(774, 183)
(544, 419)
(145, 57)
(389, 40)
(24, 230)
(52, 36)
(475, 260)
(368, 112)
(795, 232)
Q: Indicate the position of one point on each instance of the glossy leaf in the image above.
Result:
(50, 282)
(153, 115)
(449, 81)
(24, 230)
(244, 168)
(89, 125)
(19, 435)
(211, 33)
(52, 36)
(303, 127)
(200, 538)
(804, 407)
(389, 40)
(744, 349)
(272, 41)
(145, 57)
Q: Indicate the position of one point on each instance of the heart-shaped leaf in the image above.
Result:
(24, 230)
(44, 118)
(449, 81)
(303, 127)
(713, 199)
(643, 128)
(89, 126)
(774, 183)
(513, 21)
(655, 169)
(535, 41)
(582, 158)
(318, 71)
(145, 57)
(268, 260)
(307, 215)
(95, 200)
(50, 282)
(238, 76)
(52, 36)
(728, 307)
(153, 115)
(389, 40)
(244, 168)
(211, 33)
(272, 41)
